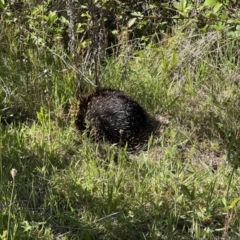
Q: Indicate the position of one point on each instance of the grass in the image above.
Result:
(185, 186)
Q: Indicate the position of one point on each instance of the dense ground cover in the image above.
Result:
(184, 186)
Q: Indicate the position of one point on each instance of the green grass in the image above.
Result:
(185, 186)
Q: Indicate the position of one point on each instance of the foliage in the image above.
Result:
(186, 69)
(211, 15)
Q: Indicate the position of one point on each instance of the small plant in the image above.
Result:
(10, 232)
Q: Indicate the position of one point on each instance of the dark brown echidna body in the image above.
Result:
(114, 116)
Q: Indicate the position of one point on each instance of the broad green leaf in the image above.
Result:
(231, 205)
(180, 6)
(234, 202)
(3, 4)
(137, 14)
(52, 17)
(131, 22)
(210, 3)
(217, 7)
(176, 5)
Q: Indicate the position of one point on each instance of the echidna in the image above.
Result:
(114, 116)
